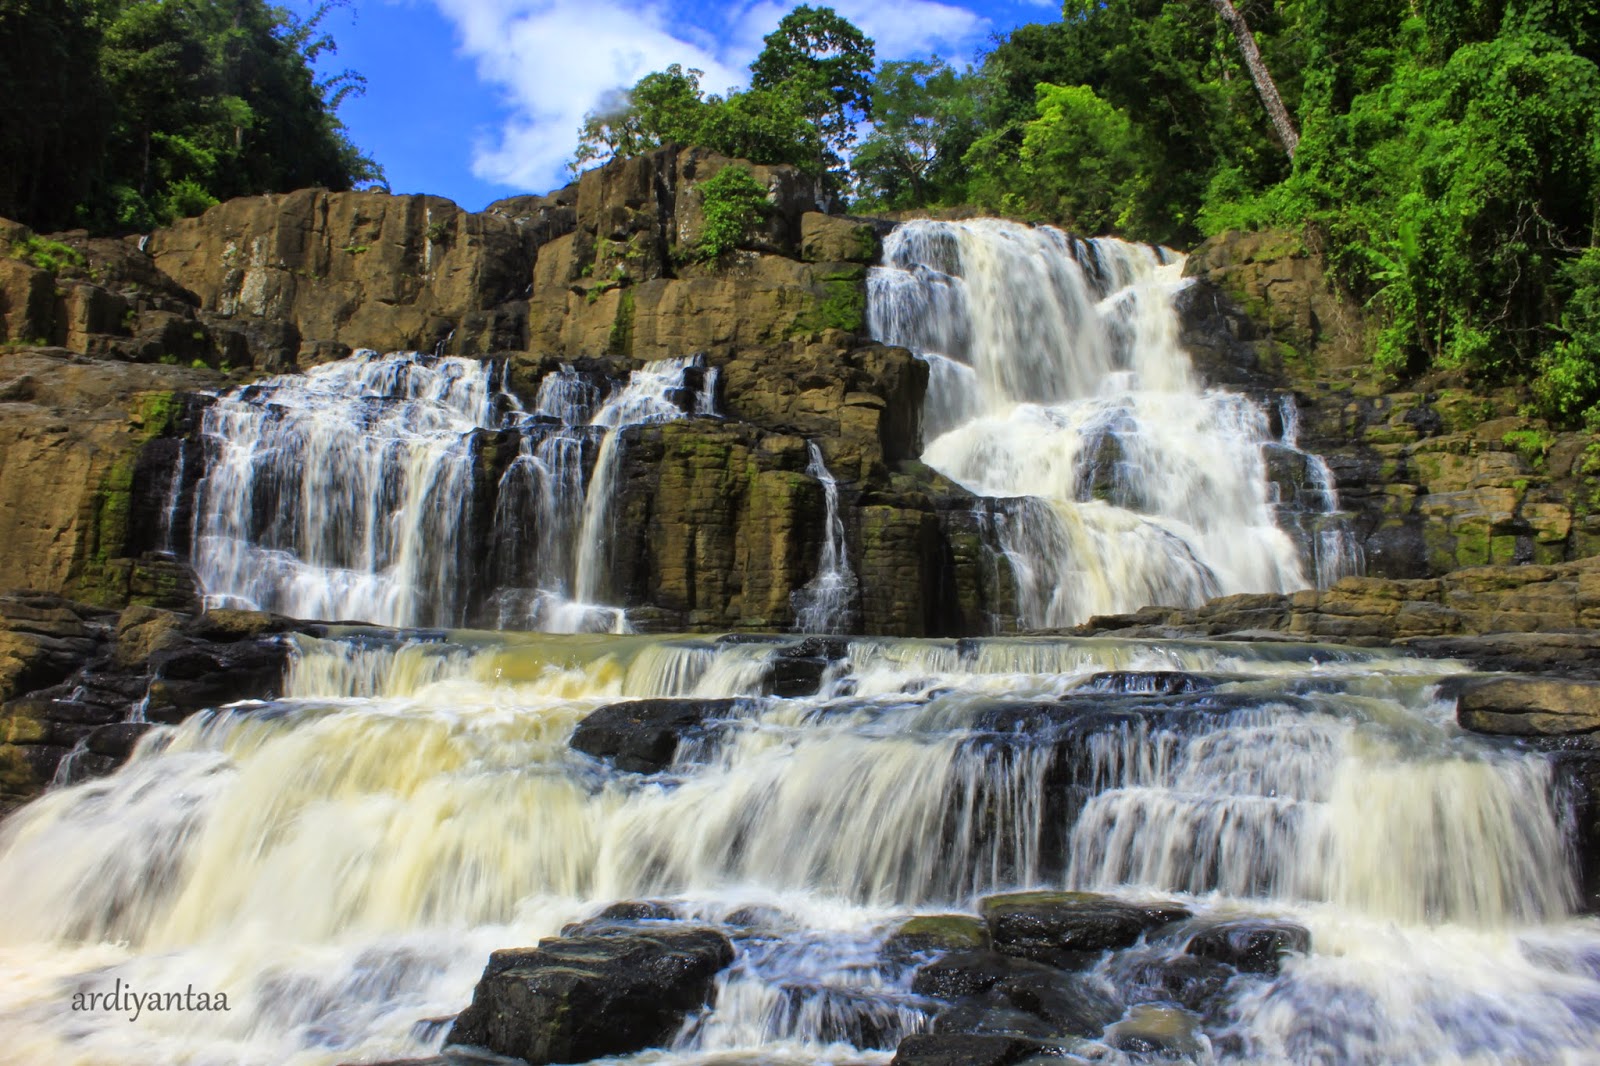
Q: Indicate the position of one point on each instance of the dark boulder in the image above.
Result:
(642, 736)
(971, 973)
(583, 998)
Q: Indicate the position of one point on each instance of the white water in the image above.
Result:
(351, 492)
(824, 605)
(342, 861)
(1056, 378)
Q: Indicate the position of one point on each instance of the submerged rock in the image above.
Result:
(1253, 945)
(582, 998)
(1065, 928)
(1152, 1030)
(1046, 1005)
(642, 736)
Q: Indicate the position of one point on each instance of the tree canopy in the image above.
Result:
(810, 86)
(124, 114)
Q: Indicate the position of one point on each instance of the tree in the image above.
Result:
(1265, 86)
(1080, 164)
(809, 87)
(925, 119)
(663, 107)
(824, 61)
(668, 107)
(172, 105)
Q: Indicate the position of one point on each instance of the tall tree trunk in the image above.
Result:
(1265, 86)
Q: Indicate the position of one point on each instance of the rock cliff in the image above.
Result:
(718, 525)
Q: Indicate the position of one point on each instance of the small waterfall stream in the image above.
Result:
(824, 605)
(342, 861)
(1056, 381)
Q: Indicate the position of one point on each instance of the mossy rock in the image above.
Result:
(936, 933)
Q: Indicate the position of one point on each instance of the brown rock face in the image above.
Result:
(77, 509)
(1529, 706)
(354, 270)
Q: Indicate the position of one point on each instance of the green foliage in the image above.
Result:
(1080, 164)
(1170, 68)
(1531, 444)
(824, 62)
(668, 107)
(1567, 381)
(48, 255)
(925, 119)
(810, 87)
(124, 114)
(732, 201)
(843, 305)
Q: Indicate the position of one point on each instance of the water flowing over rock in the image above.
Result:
(1057, 381)
(1292, 854)
(824, 605)
(362, 490)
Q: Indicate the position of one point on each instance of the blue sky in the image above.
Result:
(480, 99)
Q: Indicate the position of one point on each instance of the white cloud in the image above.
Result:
(552, 61)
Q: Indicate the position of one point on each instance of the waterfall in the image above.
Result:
(352, 491)
(341, 861)
(824, 605)
(1057, 383)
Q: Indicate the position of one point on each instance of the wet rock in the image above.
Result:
(1252, 945)
(971, 973)
(623, 916)
(793, 676)
(936, 932)
(118, 739)
(958, 1049)
(642, 736)
(203, 675)
(1529, 706)
(583, 998)
(1163, 1031)
(1069, 928)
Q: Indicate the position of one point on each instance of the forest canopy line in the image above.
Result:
(120, 115)
(1445, 156)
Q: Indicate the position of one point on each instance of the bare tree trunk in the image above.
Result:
(1265, 86)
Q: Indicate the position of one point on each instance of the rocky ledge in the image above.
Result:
(79, 685)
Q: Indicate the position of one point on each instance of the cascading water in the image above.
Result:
(1057, 381)
(341, 862)
(353, 491)
(824, 605)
